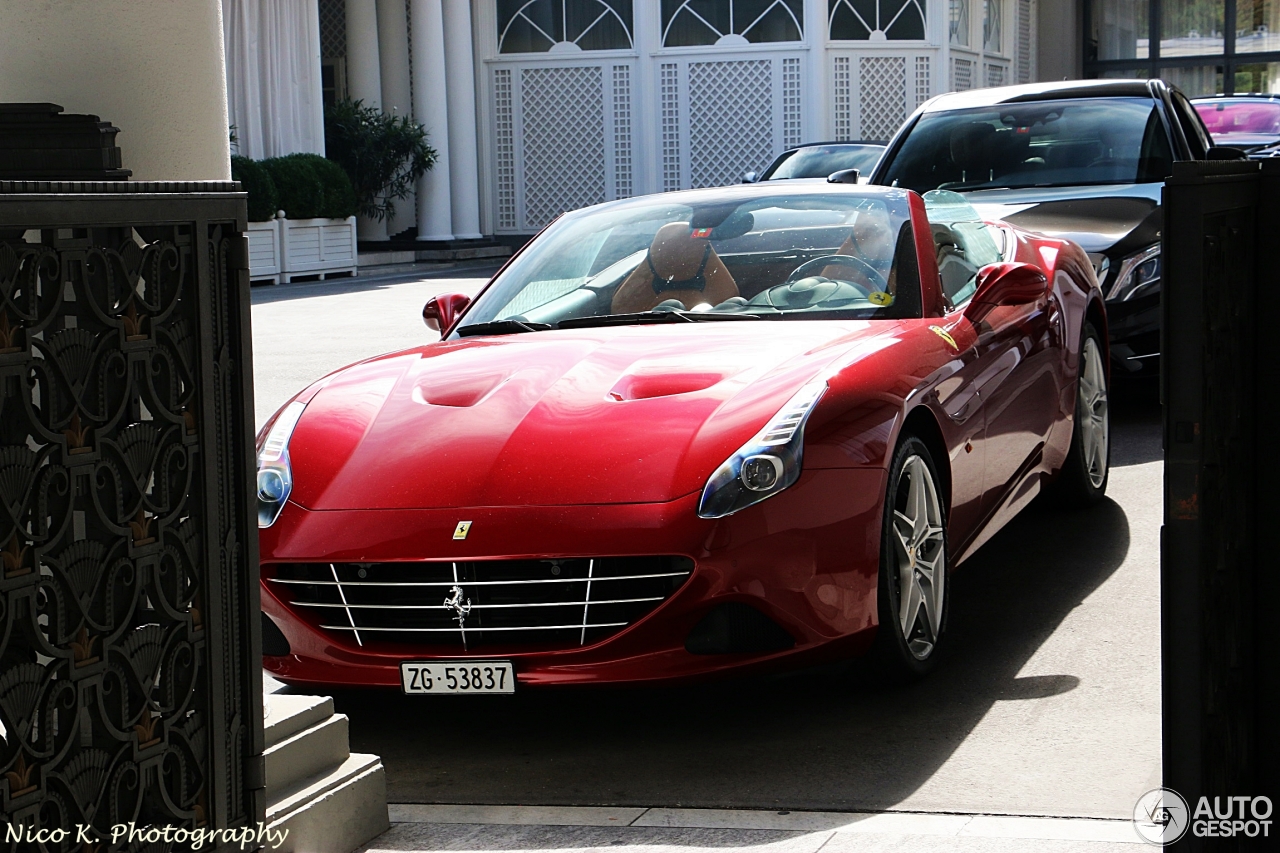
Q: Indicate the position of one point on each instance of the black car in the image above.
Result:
(1084, 160)
(820, 159)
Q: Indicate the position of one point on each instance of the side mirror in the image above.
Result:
(750, 177)
(1006, 284)
(844, 176)
(442, 311)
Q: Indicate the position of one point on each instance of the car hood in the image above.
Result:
(592, 416)
(1099, 218)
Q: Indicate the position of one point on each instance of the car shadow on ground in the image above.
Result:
(825, 738)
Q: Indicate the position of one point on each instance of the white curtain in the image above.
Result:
(273, 76)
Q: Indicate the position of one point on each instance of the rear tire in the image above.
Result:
(1083, 479)
(913, 566)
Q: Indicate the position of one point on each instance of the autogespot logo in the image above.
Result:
(1162, 817)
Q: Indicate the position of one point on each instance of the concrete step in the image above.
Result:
(286, 714)
(334, 812)
(307, 753)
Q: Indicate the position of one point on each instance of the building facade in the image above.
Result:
(1202, 46)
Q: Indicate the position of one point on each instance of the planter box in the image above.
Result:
(320, 247)
(266, 256)
(284, 249)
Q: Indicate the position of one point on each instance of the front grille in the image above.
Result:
(537, 603)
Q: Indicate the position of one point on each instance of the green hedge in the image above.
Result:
(264, 199)
(304, 186)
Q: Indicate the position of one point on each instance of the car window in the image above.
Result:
(1239, 116)
(1192, 126)
(963, 242)
(819, 161)
(789, 256)
(1034, 144)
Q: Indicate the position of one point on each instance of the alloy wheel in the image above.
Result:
(1091, 413)
(920, 554)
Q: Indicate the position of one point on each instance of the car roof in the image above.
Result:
(1041, 92)
(745, 192)
(1246, 96)
(859, 142)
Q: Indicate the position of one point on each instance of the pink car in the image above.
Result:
(1246, 122)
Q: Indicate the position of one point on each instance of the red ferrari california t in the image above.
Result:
(691, 433)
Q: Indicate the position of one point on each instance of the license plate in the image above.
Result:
(477, 676)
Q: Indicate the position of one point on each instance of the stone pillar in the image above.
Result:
(154, 70)
(364, 80)
(430, 105)
(464, 174)
(393, 56)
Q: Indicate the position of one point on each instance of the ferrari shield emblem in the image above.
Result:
(942, 333)
(461, 531)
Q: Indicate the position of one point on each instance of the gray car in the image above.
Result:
(1083, 160)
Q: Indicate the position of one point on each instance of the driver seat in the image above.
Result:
(679, 265)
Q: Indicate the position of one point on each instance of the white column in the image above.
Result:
(464, 175)
(393, 60)
(154, 70)
(364, 80)
(430, 105)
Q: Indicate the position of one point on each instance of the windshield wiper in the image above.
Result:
(502, 327)
(650, 317)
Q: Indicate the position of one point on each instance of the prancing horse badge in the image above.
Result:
(461, 531)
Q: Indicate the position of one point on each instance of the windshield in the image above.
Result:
(1243, 116)
(803, 256)
(819, 161)
(1034, 144)
(963, 242)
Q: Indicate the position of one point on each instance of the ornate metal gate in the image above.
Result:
(129, 632)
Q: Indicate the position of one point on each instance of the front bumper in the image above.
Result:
(1134, 327)
(807, 559)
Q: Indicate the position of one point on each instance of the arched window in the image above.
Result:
(686, 23)
(876, 20)
(563, 26)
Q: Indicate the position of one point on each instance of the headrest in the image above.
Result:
(676, 254)
(971, 146)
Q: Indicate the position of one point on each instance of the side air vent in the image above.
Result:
(735, 628)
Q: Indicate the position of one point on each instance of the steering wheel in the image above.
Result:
(869, 272)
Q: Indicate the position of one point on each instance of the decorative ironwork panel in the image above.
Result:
(881, 95)
(790, 102)
(961, 74)
(730, 120)
(562, 112)
(623, 186)
(130, 689)
(504, 142)
(670, 94)
(842, 95)
(924, 80)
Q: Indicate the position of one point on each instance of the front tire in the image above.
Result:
(1083, 480)
(913, 566)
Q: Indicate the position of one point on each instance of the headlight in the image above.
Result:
(275, 476)
(765, 465)
(1139, 275)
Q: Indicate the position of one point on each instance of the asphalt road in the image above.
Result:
(1048, 703)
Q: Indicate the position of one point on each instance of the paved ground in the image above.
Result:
(1048, 705)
